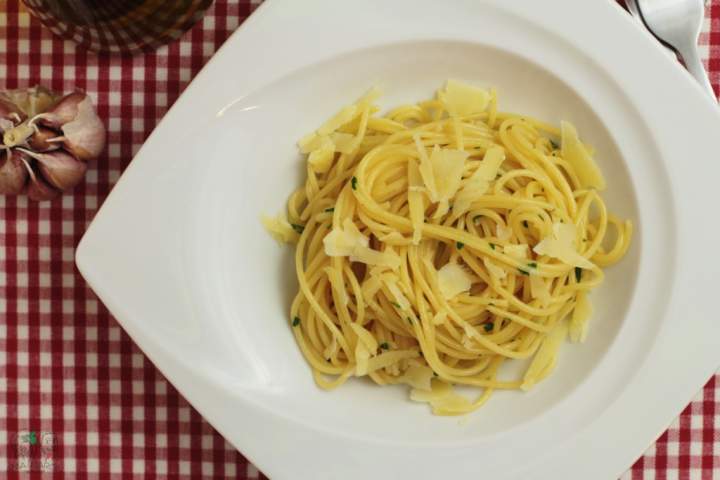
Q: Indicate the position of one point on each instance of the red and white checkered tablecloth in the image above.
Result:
(77, 398)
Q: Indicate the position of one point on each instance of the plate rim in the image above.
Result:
(255, 28)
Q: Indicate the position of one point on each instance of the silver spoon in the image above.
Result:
(677, 24)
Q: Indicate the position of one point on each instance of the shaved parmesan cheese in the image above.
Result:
(503, 233)
(343, 242)
(391, 280)
(322, 157)
(438, 389)
(478, 184)
(452, 404)
(365, 337)
(424, 160)
(346, 115)
(462, 99)
(579, 320)
(418, 376)
(362, 357)
(442, 398)
(516, 251)
(453, 280)
(279, 228)
(309, 142)
(494, 270)
(344, 142)
(368, 256)
(577, 155)
(539, 289)
(546, 357)
(442, 174)
(561, 245)
(388, 358)
(370, 288)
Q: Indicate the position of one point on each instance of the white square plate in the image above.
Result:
(178, 254)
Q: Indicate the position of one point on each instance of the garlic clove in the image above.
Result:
(37, 100)
(84, 136)
(31, 101)
(63, 111)
(39, 190)
(40, 140)
(59, 168)
(10, 114)
(13, 174)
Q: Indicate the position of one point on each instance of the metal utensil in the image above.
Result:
(677, 24)
(633, 8)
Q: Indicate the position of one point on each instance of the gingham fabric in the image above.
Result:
(77, 398)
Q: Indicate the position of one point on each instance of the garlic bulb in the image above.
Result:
(46, 140)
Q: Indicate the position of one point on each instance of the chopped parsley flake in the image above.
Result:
(459, 245)
(523, 271)
(492, 245)
(330, 210)
(554, 145)
(298, 228)
(385, 346)
(488, 326)
(395, 304)
(578, 274)
(296, 321)
(353, 183)
(532, 265)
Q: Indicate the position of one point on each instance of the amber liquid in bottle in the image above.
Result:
(118, 26)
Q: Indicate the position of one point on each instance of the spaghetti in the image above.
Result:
(441, 240)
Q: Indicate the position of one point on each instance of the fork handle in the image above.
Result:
(695, 66)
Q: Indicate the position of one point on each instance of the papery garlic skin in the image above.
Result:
(84, 136)
(61, 112)
(13, 174)
(40, 140)
(59, 168)
(30, 101)
(39, 190)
